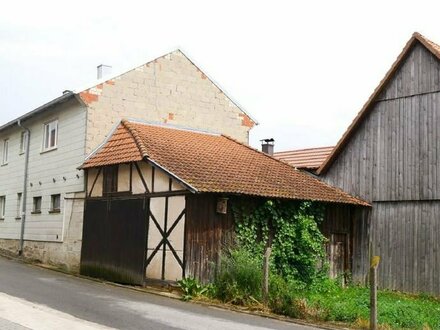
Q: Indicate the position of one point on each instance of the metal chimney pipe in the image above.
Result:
(103, 70)
(267, 146)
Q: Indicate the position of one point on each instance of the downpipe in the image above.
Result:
(25, 181)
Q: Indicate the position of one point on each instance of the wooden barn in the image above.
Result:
(390, 157)
(158, 207)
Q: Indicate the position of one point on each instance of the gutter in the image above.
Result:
(25, 180)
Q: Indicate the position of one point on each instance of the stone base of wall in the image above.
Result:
(61, 255)
(65, 254)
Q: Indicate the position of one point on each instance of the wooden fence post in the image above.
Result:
(266, 265)
(266, 262)
(373, 292)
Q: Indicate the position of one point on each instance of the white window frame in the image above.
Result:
(5, 154)
(49, 142)
(2, 207)
(23, 141)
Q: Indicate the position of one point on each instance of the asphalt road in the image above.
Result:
(35, 298)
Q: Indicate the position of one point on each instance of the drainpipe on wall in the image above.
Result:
(25, 179)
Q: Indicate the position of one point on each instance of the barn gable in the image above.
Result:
(394, 134)
(389, 156)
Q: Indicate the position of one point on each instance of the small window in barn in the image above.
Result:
(5, 152)
(2, 207)
(55, 203)
(37, 205)
(23, 141)
(50, 138)
(110, 184)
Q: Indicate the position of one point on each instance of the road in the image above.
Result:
(36, 298)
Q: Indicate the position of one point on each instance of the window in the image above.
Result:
(110, 183)
(23, 141)
(19, 197)
(37, 205)
(2, 207)
(55, 201)
(5, 151)
(50, 138)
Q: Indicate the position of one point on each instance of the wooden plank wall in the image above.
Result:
(407, 237)
(352, 221)
(206, 233)
(393, 154)
(392, 160)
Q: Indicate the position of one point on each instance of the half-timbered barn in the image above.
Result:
(389, 156)
(158, 207)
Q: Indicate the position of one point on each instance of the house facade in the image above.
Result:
(61, 133)
(389, 156)
(159, 200)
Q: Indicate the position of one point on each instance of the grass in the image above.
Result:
(395, 310)
(238, 282)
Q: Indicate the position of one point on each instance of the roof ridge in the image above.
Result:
(294, 150)
(134, 133)
(170, 126)
(429, 44)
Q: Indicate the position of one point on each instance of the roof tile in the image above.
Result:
(309, 159)
(213, 163)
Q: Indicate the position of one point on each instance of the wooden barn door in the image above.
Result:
(339, 255)
(113, 245)
(166, 235)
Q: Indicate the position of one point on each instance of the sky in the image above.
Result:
(302, 69)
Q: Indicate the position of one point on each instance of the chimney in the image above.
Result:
(104, 70)
(267, 146)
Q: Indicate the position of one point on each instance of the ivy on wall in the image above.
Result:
(298, 245)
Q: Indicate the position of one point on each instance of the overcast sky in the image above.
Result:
(303, 69)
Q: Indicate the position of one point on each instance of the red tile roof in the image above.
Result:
(416, 38)
(213, 163)
(309, 159)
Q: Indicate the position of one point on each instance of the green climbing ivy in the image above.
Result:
(298, 245)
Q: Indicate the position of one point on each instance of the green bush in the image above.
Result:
(239, 278)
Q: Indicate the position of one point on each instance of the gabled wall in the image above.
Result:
(392, 160)
(393, 154)
(171, 89)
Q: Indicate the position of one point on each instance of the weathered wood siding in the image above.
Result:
(206, 233)
(407, 237)
(352, 221)
(392, 161)
(393, 154)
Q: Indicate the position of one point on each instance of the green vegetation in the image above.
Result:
(191, 288)
(239, 283)
(298, 245)
(298, 285)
